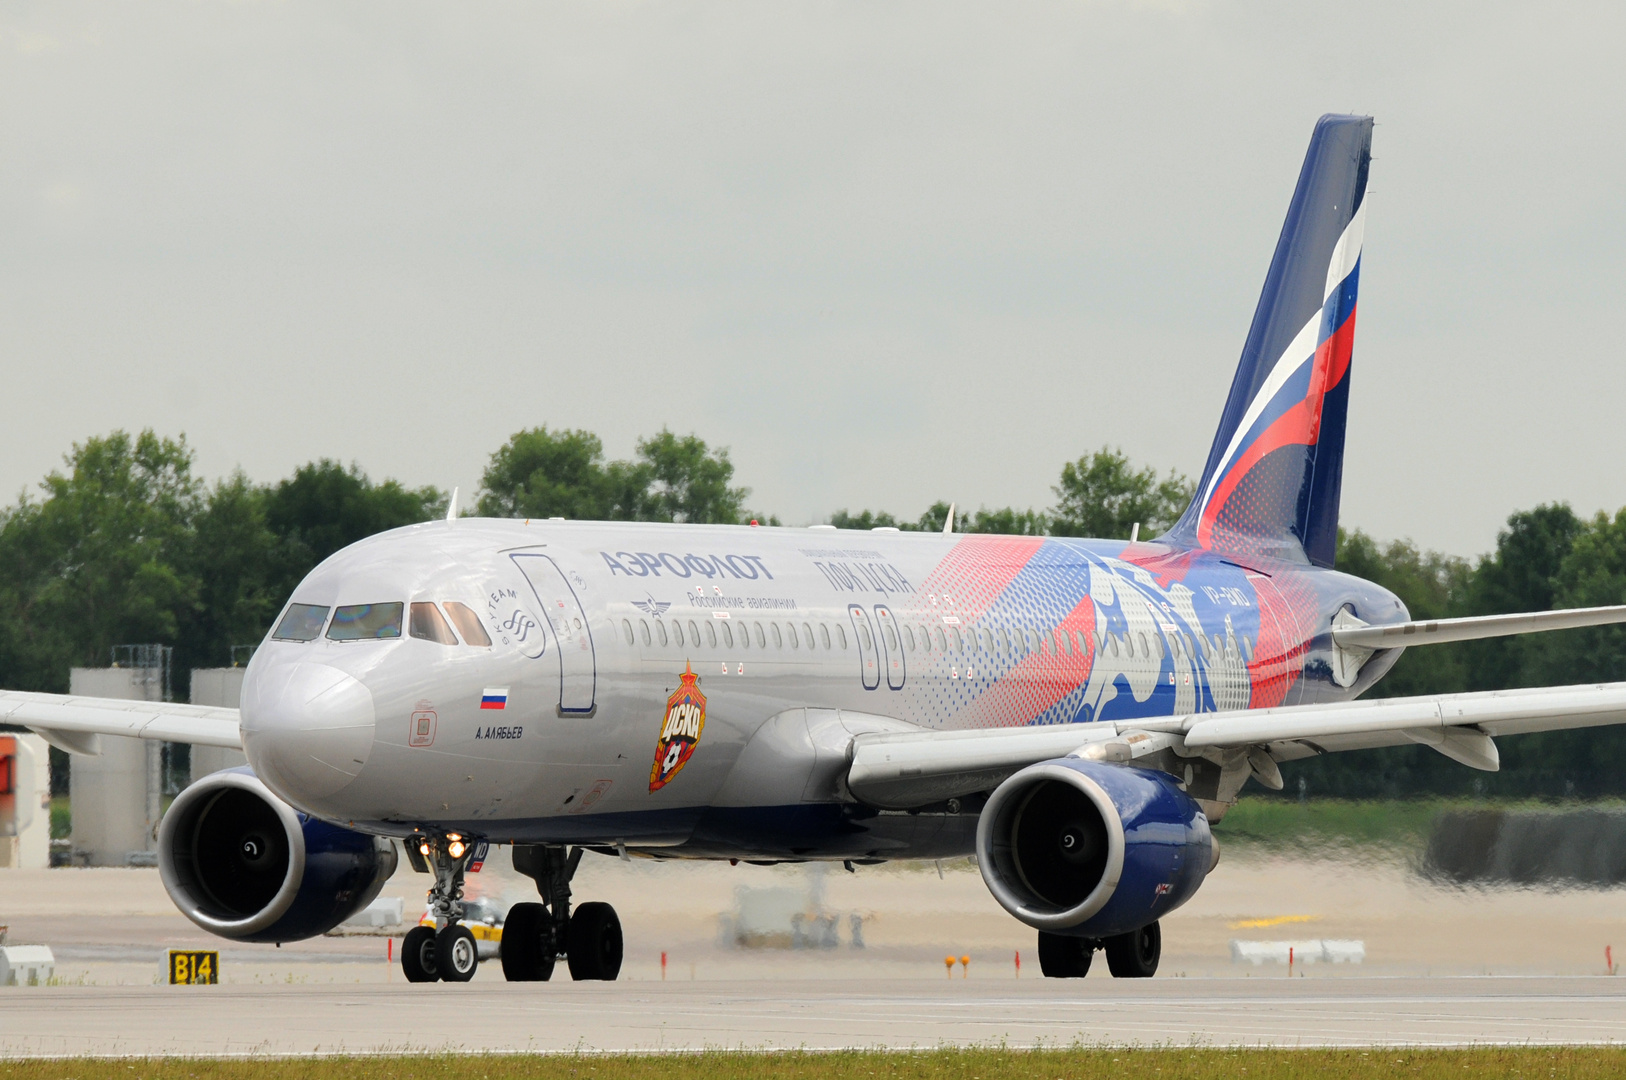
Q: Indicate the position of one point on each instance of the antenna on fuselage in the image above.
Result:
(948, 522)
(451, 507)
(1134, 532)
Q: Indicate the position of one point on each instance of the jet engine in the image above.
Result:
(1092, 850)
(241, 863)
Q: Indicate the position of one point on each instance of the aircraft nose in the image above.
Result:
(307, 728)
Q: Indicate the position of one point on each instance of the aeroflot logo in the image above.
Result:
(689, 564)
(680, 731)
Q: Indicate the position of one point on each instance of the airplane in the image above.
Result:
(1074, 713)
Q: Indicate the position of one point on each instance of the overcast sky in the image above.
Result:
(884, 252)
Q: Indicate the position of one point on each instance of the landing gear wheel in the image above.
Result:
(456, 954)
(593, 943)
(527, 944)
(1134, 955)
(418, 955)
(1062, 957)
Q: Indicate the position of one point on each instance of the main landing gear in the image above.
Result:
(1129, 956)
(534, 936)
(449, 953)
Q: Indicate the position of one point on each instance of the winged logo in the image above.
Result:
(652, 606)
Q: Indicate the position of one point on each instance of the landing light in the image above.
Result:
(423, 849)
(455, 849)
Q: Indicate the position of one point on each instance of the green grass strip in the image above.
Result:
(948, 1064)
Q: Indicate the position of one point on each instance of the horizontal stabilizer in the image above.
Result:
(1440, 631)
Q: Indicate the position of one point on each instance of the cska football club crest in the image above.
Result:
(680, 731)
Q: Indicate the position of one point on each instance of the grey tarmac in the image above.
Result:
(896, 1014)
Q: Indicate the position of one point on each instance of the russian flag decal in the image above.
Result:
(494, 698)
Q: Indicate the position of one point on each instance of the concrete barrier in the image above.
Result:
(1309, 951)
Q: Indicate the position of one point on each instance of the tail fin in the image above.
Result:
(1272, 480)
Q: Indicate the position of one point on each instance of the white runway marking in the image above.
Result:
(227, 1020)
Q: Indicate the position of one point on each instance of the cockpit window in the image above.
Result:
(303, 622)
(467, 623)
(427, 623)
(366, 622)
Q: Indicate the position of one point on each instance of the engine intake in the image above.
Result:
(1090, 849)
(245, 865)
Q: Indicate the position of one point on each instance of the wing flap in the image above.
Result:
(1496, 712)
(78, 717)
(909, 769)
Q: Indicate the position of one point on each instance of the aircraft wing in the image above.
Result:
(73, 723)
(902, 770)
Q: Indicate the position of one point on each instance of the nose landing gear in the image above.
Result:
(449, 953)
(536, 935)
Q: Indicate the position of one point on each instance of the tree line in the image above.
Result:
(126, 544)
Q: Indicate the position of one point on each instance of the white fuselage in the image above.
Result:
(565, 727)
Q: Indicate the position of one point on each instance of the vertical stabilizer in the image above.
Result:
(1272, 480)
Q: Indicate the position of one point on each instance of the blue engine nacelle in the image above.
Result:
(1092, 850)
(241, 863)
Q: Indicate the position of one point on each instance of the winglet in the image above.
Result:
(451, 507)
(948, 522)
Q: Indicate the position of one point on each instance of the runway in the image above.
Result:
(898, 1014)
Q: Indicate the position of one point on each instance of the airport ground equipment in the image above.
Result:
(1076, 712)
(25, 803)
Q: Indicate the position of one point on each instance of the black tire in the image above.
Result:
(527, 944)
(418, 955)
(457, 954)
(593, 943)
(1135, 955)
(1062, 957)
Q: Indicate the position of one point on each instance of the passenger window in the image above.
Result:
(762, 641)
(1112, 643)
(1145, 648)
(909, 637)
(824, 635)
(625, 625)
(1004, 641)
(778, 638)
(1081, 642)
(467, 623)
(711, 634)
(1061, 643)
(1247, 648)
(745, 635)
(303, 622)
(425, 622)
(660, 631)
(891, 637)
(807, 635)
(942, 642)
(677, 633)
(366, 622)
(790, 635)
(644, 625)
(841, 637)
